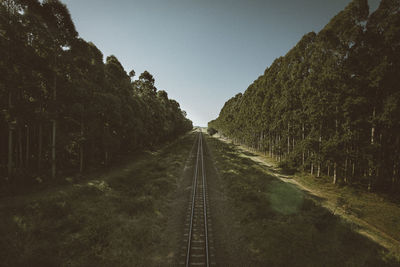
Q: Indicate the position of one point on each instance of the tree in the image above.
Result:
(61, 32)
(330, 105)
(54, 84)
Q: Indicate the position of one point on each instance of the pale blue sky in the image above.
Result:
(202, 52)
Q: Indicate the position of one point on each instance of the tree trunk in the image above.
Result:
(106, 153)
(345, 170)
(15, 151)
(81, 159)
(334, 173)
(319, 164)
(270, 146)
(303, 137)
(329, 169)
(20, 153)
(106, 158)
(10, 139)
(312, 166)
(394, 174)
(273, 148)
(53, 151)
(27, 147)
(53, 145)
(81, 148)
(279, 151)
(319, 151)
(293, 142)
(370, 171)
(288, 139)
(40, 145)
(10, 151)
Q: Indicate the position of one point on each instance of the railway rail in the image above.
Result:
(198, 244)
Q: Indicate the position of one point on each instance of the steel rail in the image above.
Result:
(204, 201)
(193, 202)
(196, 194)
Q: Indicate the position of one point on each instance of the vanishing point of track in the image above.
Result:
(197, 236)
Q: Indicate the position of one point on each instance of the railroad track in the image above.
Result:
(198, 244)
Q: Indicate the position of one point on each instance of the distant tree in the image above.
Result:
(132, 74)
(145, 84)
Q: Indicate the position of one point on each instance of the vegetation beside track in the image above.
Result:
(283, 226)
(120, 219)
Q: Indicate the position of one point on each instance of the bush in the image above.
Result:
(211, 131)
(287, 167)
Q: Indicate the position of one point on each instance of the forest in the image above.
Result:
(63, 109)
(331, 105)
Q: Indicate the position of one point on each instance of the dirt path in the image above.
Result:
(330, 197)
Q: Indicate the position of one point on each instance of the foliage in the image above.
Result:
(211, 131)
(56, 89)
(331, 104)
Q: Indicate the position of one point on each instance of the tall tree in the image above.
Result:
(62, 33)
(330, 105)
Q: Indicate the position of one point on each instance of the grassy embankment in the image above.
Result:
(119, 219)
(283, 226)
(376, 214)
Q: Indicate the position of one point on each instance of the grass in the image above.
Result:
(119, 219)
(372, 208)
(281, 225)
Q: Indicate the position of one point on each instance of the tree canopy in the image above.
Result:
(331, 105)
(59, 97)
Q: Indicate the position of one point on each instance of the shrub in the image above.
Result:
(211, 131)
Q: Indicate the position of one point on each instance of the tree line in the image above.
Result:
(63, 109)
(331, 105)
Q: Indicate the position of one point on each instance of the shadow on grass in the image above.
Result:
(249, 154)
(118, 219)
(282, 225)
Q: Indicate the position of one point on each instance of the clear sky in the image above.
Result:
(202, 52)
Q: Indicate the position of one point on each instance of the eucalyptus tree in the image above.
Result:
(54, 84)
(61, 34)
(12, 32)
(22, 31)
(383, 48)
(331, 104)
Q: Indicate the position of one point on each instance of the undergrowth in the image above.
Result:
(115, 220)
